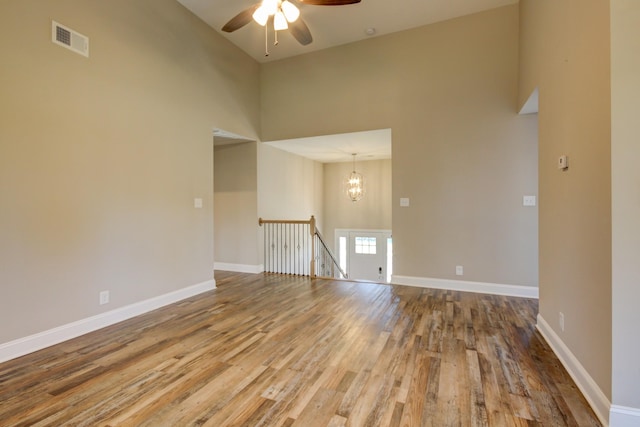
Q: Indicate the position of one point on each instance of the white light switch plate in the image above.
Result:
(404, 202)
(563, 162)
(528, 200)
(197, 203)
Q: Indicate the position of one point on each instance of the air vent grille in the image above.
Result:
(69, 38)
(63, 36)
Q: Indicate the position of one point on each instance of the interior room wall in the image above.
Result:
(236, 204)
(460, 153)
(625, 151)
(372, 212)
(101, 158)
(565, 51)
(289, 186)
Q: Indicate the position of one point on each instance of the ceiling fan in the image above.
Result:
(284, 15)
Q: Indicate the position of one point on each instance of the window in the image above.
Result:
(343, 252)
(389, 258)
(366, 245)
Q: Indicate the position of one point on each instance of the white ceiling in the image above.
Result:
(367, 145)
(334, 25)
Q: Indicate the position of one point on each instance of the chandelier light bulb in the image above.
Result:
(354, 184)
(355, 187)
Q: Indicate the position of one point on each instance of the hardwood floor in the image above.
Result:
(272, 350)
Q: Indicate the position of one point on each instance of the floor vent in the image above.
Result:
(70, 39)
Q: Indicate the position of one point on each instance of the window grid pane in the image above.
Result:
(365, 245)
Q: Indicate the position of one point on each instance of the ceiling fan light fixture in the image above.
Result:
(291, 12)
(283, 13)
(261, 16)
(270, 6)
(280, 22)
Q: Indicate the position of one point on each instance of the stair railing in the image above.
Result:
(326, 263)
(297, 247)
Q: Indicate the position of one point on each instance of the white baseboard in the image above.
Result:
(21, 346)
(623, 416)
(594, 395)
(465, 286)
(239, 268)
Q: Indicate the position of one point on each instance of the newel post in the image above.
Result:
(312, 231)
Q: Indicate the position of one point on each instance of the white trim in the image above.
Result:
(362, 230)
(346, 233)
(594, 395)
(624, 416)
(466, 286)
(238, 268)
(531, 104)
(21, 346)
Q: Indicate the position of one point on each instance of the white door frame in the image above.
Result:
(344, 232)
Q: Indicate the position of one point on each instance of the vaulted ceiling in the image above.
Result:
(334, 25)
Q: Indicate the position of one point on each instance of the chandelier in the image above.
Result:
(354, 184)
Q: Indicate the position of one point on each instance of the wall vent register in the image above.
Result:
(72, 40)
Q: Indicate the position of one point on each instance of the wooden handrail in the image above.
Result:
(282, 221)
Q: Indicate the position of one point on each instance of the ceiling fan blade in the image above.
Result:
(240, 20)
(329, 2)
(300, 31)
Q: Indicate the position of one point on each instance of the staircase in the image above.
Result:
(297, 247)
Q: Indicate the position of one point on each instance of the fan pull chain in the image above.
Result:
(266, 40)
(275, 43)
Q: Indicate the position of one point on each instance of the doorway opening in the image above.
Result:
(365, 254)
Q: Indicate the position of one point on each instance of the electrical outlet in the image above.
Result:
(561, 321)
(104, 297)
(459, 270)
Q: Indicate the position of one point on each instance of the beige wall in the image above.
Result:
(625, 104)
(289, 186)
(236, 204)
(101, 157)
(373, 212)
(460, 153)
(565, 53)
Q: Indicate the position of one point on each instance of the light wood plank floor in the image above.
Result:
(272, 350)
